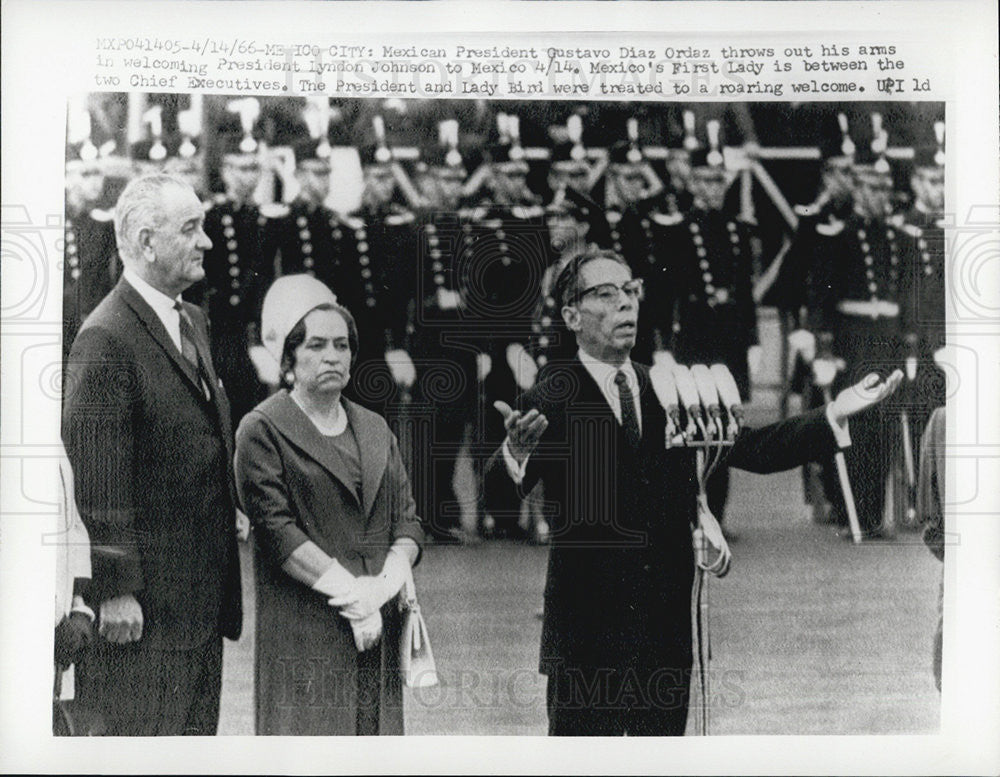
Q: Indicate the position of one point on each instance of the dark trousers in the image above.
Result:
(867, 346)
(616, 702)
(147, 692)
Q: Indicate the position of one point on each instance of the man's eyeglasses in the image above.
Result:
(608, 293)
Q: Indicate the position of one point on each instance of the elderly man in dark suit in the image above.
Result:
(616, 638)
(146, 425)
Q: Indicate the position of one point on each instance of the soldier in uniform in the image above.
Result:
(819, 221)
(637, 220)
(185, 154)
(923, 290)
(90, 263)
(375, 280)
(503, 256)
(569, 227)
(714, 316)
(924, 304)
(237, 272)
(444, 402)
(853, 290)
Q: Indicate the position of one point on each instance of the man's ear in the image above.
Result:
(571, 317)
(145, 239)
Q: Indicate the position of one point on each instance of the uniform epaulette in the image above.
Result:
(913, 230)
(398, 219)
(274, 210)
(102, 215)
(476, 213)
(831, 228)
(667, 219)
(527, 211)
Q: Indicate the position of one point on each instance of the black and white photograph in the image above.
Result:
(548, 350)
(491, 375)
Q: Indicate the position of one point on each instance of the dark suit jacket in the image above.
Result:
(618, 589)
(294, 487)
(152, 458)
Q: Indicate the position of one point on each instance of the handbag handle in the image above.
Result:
(408, 593)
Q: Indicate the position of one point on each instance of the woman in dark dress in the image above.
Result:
(337, 532)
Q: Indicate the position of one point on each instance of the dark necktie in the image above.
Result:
(189, 349)
(630, 419)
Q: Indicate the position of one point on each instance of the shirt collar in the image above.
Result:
(155, 298)
(604, 374)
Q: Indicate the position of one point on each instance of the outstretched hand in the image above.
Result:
(862, 395)
(523, 430)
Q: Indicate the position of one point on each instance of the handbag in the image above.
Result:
(416, 659)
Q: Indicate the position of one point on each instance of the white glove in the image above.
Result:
(484, 365)
(335, 581)
(367, 631)
(448, 299)
(268, 370)
(804, 342)
(824, 371)
(755, 357)
(401, 367)
(522, 365)
(665, 358)
(370, 592)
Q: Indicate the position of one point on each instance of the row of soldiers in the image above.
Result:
(864, 288)
(448, 267)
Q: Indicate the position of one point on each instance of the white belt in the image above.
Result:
(875, 308)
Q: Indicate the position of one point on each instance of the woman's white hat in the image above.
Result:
(286, 303)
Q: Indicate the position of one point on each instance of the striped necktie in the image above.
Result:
(189, 348)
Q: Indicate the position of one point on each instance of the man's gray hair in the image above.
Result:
(140, 206)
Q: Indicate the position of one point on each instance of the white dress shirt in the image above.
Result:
(604, 375)
(161, 304)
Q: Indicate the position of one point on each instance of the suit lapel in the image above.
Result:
(159, 333)
(654, 418)
(590, 394)
(373, 442)
(295, 426)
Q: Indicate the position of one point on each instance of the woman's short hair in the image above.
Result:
(297, 336)
(567, 285)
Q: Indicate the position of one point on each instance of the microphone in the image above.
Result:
(688, 392)
(666, 392)
(709, 395)
(730, 395)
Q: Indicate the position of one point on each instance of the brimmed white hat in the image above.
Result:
(286, 303)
